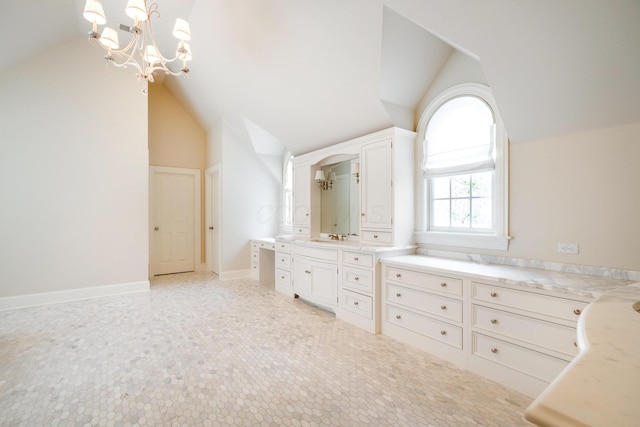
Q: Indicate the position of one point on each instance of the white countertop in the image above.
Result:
(576, 285)
(601, 386)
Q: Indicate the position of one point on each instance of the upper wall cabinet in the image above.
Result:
(386, 187)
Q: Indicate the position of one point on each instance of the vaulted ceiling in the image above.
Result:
(309, 73)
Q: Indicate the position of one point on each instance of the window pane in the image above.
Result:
(482, 213)
(440, 188)
(460, 186)
(481, 185)
(461, 213)
(441, 213)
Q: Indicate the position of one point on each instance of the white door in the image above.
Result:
(174, 207)
(375, 168)
(301, 194)
(212, 201)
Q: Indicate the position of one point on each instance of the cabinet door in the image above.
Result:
(376, 185)
(301, 272)
(301, 194)
(324, 283)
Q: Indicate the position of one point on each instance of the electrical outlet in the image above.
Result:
(568, 248)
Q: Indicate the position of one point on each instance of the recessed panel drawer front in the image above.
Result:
(283, 279)
(440, 331)
(267, 245)
(544, 334)
(357, 259)
(318, 253)
(283, 261)
(356, 303)
(300, 231)
(358, 279)
(543, 304)
(432, 282)
(530, 362)
(447, 308)
(283, 246)
(377, 236)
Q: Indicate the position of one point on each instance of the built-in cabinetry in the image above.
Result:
(386, 187)
(315, 275)
(515, 335)
(283, 267)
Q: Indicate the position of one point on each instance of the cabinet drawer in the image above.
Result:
(267, 245)
(437, 305)
(283, 246)
(440, 331)
(357, 279)
(356, 303)
(431, 282)
(538, 332)
(551, 306)
(377, 236)
(527, 361)
(283, 261)
(283, 279)
(300, 231)
(357, 259)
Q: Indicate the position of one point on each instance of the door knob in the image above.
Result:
(157, 228)
(211, 228)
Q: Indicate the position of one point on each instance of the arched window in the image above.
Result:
(464, 166)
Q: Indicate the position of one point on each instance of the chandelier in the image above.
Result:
(141, 52)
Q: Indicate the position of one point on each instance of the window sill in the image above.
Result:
(460, 240)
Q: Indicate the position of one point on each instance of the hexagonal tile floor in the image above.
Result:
(195, 351)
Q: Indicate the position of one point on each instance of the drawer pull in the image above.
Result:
(282, 277)
(443, 284)
(356, 278)
(398, 317)
(494, 321)
(443, 307)
(375, 236)
(577, 312)
(494, 294)
(575, 344)
(494, 350)
(355, 259)
(307, 271)
(282, 259)
(355, 303)
(398, 275)
(398, 295)
(443, 332)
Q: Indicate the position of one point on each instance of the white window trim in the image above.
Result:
(500, 239)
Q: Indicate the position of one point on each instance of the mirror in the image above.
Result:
(340, 200)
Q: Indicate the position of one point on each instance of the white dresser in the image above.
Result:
(516, 326)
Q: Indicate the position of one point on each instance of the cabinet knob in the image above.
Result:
(282, 277)
(282, 259)
(355, 303)
(375, 236)
(494, 294)
(398, 294)
(156, 228)
(210, 227)
(356, 278)
(575, 344)
(355, 259)
(398, 317)
(398, 275)
(362, 214)
(494, 321)
(494, 350)
(443, 307)
(307, 271)
(306, 214)
(577, 312)
(443, 332)
(443, 284)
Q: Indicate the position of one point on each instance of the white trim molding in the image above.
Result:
(235, 275)
(44, 298)
(460, 240)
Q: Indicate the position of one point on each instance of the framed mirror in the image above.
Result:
(340, 197)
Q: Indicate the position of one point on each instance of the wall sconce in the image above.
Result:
(324, 182)
(355, 171)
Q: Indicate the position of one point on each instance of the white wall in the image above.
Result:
(73, 173)
(250, 199)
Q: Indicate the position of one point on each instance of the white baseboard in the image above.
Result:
(30, 300)
(237, 274)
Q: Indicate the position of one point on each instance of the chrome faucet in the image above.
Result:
(334, 236)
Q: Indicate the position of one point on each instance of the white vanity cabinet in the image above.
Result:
(315, 275)
(524, 339)
(301, 199)
(358, 299)
(283, 268)
(387, 190)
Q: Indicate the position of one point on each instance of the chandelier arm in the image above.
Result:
(169, 71)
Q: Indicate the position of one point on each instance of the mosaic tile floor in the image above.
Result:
(199, 352)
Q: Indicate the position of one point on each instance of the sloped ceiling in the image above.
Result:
(311, 73)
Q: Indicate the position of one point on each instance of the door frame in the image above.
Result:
(208, 184)
(197, 220)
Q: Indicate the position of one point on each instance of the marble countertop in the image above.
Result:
(601, 386)
(574, 285)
